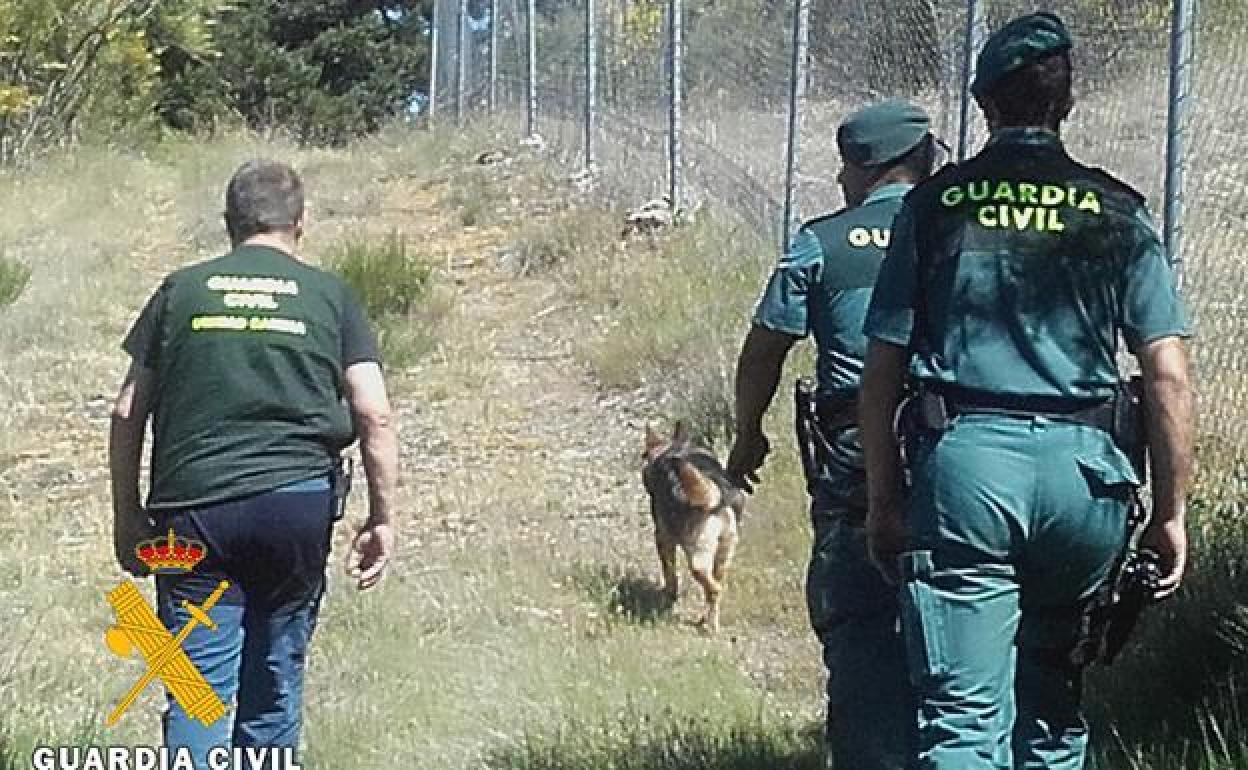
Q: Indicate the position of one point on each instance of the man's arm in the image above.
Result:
(758, 376)
(125, 452)
(882, 377)
(1169, 406)
(379, 442)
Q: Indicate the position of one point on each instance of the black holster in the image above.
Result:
(1111, 615)
(1130, 428)
(817, 421)
(340, 480)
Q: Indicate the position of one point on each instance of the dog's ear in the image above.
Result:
(700, 491)
(653, 440)
(680, 433)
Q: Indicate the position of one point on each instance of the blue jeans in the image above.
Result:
(272, 548)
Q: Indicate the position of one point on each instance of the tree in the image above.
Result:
(69, 67)
(326, 70)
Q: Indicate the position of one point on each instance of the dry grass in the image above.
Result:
(516, 630)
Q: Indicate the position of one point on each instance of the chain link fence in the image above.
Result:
(733, 104)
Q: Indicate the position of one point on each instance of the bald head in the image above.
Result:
(264, 197)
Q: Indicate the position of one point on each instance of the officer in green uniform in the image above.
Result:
(1010, 279)
(822, 287)
(256, 370)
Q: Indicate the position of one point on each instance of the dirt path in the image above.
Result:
(503, 414)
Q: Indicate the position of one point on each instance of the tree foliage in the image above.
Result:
(71, 66)
(326, 70)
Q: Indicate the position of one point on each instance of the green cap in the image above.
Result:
(882, 132)
(1023, 41)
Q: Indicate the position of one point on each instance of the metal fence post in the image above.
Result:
(461, 61)
(591, 82)
(975, 23)
(434, 36)
(675, 24)
(1181, 51)
(492, 94)
(797, 104)
(530, 21)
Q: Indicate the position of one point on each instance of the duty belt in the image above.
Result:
(940, 403)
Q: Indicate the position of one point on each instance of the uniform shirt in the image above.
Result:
(249, 352)
(823, 284)
(1015, 273)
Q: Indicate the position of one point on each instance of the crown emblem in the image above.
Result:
(172, 554)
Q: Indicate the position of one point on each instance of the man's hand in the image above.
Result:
(886, 538)
(1169, 540)
(370, 553)
(128, 531)
(749, 451)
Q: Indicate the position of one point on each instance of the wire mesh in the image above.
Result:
(1215, 238)
(738, 63)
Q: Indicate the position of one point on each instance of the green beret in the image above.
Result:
(882, 132)
(1023, 41)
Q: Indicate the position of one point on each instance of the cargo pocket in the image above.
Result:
(923, 619)
(1108, 475)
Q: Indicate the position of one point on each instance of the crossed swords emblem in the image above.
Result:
(138, 626)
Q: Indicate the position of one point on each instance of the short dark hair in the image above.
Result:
(263, 196)
(1039, 94)
(921, 158)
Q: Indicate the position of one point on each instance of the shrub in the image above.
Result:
(386, 277)
(14, 276)
(395, 287)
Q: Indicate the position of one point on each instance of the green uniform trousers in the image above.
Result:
(1015, 522)
(871, 721)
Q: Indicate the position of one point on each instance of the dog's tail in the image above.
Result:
(700, 491)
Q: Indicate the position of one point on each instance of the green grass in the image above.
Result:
(638, 742)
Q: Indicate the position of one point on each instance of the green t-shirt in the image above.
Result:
(249, 352)
(822, 285)
(1017, 272)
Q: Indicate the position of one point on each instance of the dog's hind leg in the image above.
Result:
(666, 546)
(724, 552)
(703, 564)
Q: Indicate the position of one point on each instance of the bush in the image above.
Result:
(395, 287)
(387, 278)
(14, 276)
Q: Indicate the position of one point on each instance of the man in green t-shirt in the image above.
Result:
(256, 370)
(821, 288)
(1009, 282)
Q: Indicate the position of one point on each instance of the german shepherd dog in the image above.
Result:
(695, 507)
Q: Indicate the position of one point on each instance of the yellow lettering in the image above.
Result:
(1022, 217)
(983, 191)
(217, 322)
(859, 237)
(1051, 195)
(1027, 193)
(1055, 223)
(880, 237)
(987, 216)
(1091, 202)
(1004, 192)
(952, 196)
